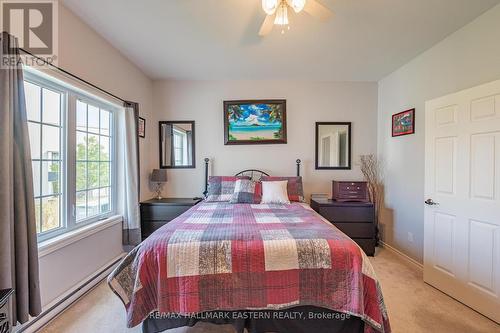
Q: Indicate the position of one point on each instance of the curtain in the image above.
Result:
(166, 144)
(128, 174)
(18, 239)
(170, 148)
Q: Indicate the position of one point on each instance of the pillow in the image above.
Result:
(221, 188)
(244, 192)
(274, 192)
(294, 188)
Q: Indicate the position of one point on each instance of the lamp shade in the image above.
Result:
(298, 5)
(270, 6)
(159, 176)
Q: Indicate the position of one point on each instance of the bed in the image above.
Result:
(266, 268)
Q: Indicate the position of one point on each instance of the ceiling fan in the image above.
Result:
(277, 12)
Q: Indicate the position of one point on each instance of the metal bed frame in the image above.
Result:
(254, 174)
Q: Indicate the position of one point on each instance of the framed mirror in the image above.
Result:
(177, 145)
(333, 145)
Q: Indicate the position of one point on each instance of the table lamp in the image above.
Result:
(159, 177)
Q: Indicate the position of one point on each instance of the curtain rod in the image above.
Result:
(77, 77)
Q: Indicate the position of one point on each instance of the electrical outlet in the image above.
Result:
(410, 237)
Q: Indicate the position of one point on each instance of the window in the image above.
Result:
(93, 160)
(179, 140)
(45, 128)
(71, 139)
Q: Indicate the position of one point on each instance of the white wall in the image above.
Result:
(86, 54)
(66, 267)
(307, 102)
(466, 58)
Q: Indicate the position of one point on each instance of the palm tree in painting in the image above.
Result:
(275, 115)
(274, 112)
(235, 112)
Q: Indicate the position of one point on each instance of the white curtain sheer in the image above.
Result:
(127, 167)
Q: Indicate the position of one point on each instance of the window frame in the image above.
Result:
(69, 97)
(112, 157)
(63, 149)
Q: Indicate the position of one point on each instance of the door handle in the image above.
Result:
(431, 202)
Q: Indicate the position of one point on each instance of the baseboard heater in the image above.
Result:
(56, 309)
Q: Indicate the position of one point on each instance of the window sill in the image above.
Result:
(68, 238)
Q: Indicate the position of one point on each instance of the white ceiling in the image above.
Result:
(218, 39)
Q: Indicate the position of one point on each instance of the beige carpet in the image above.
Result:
(413, 307)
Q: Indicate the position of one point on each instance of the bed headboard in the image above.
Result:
(252, 173)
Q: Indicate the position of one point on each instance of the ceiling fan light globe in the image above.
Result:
(297, 5)
(269, 6)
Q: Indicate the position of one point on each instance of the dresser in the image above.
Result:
(355, 219)
(156, 213)
(4, 310)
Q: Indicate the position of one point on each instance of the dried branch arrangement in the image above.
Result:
(372, 170)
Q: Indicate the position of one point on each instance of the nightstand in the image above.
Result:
(156, 213)
(355, 219)
(4, 310)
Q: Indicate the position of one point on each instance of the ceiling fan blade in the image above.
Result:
(267, 25)
(318, 10)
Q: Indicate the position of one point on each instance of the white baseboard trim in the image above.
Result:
(402, 255)
(60, 304)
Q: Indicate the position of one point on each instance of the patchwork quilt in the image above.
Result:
(222, 256)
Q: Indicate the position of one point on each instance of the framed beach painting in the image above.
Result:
(254, 122)
(403, 123)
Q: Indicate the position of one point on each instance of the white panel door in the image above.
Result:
(462, 197)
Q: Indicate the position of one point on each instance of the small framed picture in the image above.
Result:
(141, 127)
(403, 123)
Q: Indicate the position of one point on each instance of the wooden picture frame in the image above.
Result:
(255, 122)
(403, 123)
(141, 127)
